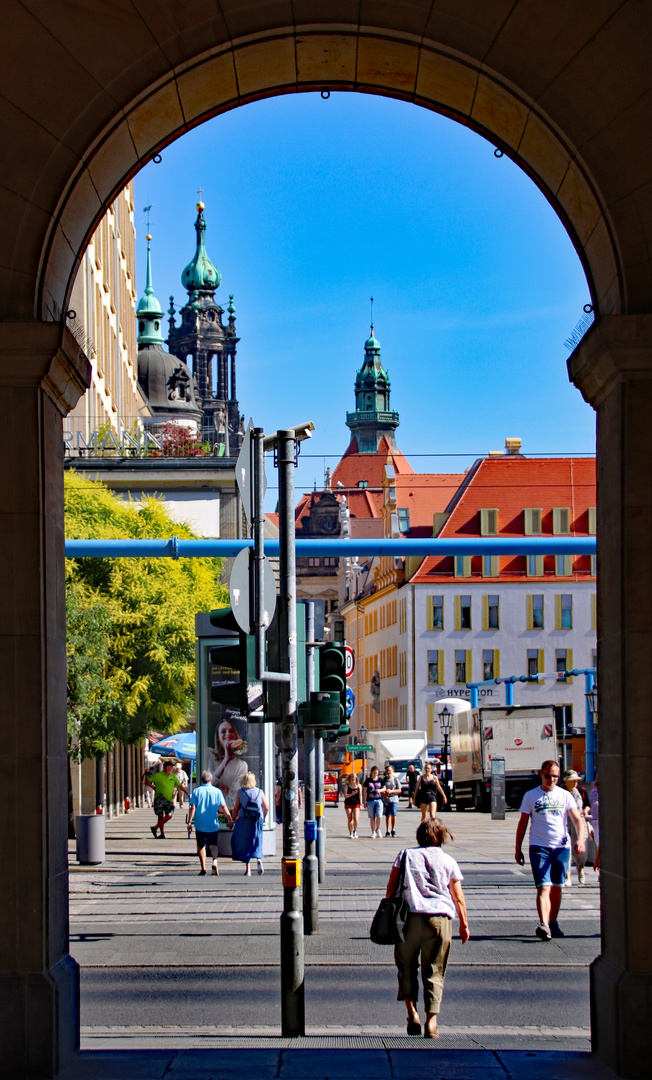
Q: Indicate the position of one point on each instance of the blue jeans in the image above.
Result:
(375, 808)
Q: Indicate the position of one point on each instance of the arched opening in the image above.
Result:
(551, 95)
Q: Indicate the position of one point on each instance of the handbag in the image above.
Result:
(388, 924)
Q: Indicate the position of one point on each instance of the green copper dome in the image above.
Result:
(200, 274)
(372, 343)
(149, 312)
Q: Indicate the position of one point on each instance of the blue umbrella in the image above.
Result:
(183, 746)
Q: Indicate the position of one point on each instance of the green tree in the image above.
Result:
(145, 675)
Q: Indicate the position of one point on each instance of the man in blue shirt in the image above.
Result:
(206, 803)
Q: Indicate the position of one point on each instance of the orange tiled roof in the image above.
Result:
(509, 485)
(424, 495)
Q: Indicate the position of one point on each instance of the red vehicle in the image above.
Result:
(331, 788)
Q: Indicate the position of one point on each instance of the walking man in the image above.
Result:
(547, 809)
(164, 784)
(206, 803)
(182, 777)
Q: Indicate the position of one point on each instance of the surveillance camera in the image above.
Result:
(298, 432)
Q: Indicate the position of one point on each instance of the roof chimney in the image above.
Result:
(512, 446)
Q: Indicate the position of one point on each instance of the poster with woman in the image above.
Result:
(234, 749)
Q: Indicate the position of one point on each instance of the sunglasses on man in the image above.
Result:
(550, 776)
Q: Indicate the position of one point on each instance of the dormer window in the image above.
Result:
(488, 522)
(363, 483)
(532, 522)
(561, 521)
(403, 519)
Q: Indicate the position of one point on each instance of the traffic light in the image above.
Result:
(234, 684)
(332, 673)
(322, 711)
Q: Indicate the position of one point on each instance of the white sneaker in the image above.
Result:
(261, 868)
(355, 836)
(581, 876)
(543, 931)
(247, 872)
(215, 870)
(568, 879)
(351, 836)
(378, 836)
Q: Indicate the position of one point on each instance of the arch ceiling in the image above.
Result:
(90, 92)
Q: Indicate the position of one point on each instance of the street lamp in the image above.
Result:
(592, 702)
(445, 718)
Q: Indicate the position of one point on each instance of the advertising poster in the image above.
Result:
(235, 747)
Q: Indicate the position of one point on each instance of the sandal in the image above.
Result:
(413, 1027)
(430, 1028)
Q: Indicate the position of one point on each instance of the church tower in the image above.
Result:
(372, 418)
(164, 379)
(203, 341)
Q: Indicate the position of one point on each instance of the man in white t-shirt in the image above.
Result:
(547, 809)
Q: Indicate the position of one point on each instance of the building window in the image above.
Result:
(462, 612)
(363, 483)
(462, 665)
(533, 662)
(488, 522)
(563, 565)
(462, 566)
(435, 612)
(561, 521)
(339, 630)
(314, 562)
(564, 662)
(490, 664)
(435, 667)
(490, 613)
(535, 565)
(330, 560)
(490, 566)
(535, 612)
(532, 522)
(403, 519)
(564, 612)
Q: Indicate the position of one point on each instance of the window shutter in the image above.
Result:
(569, 663)
(593, 518)
(430, 618)
(557, 612)
(594, 612)
(485, 612)
(541, 661)
(496, 663)
(458, 613)
(529, 612)
(430, 713)
(440, 666)
(469, 673)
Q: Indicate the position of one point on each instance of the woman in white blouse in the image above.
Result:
(433, 889)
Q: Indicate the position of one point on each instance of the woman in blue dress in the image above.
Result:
(249, 814)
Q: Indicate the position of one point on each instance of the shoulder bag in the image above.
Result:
(388, 925)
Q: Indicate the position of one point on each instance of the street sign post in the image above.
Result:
(362, 748)
(240, 591)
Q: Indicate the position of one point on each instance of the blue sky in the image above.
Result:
(312, 207)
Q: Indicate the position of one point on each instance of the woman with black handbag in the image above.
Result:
(432, 889)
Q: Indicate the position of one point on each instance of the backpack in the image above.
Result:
(251, 811)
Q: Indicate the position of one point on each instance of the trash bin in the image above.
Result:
(90, 838)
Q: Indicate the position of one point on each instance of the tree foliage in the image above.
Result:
(130, 622)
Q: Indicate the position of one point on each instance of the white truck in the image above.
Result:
(524, 735)
(397, 748)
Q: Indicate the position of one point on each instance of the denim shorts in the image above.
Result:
(391, 808)
(375, 808)
(550, 865)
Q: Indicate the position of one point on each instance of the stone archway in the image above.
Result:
(89, 95)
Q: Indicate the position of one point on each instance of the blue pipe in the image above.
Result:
(194, 549)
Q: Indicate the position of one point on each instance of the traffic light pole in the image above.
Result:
(321, 821)
(311, 869)
(292, 947)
